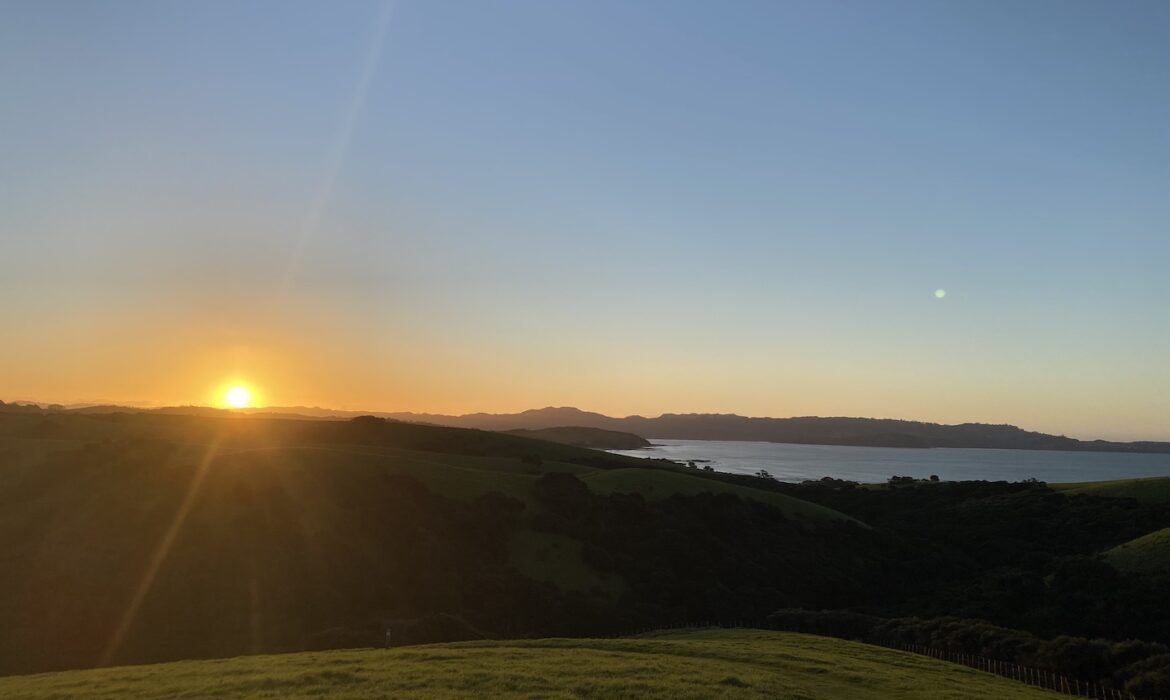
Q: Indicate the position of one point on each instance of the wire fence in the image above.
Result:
(1029, 675)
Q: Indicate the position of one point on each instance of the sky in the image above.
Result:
(631, 207)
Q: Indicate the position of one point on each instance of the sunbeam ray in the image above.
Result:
(339, 148)
(160, 553)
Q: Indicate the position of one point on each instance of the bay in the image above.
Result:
(788, 462)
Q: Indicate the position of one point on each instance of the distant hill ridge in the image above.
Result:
(811, 430)
(874, 432)
(595, 438)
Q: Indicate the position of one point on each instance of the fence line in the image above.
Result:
(1029, 675)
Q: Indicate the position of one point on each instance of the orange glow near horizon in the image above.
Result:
(316, 361)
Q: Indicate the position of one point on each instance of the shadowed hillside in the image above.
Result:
(1148, 553)
(1149, 490)
(594, 438)
(130, 538)
(146, 537)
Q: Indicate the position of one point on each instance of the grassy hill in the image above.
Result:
(595, 438)
(145, 538)
(1150, 490)
(455, 462)
(151, 537)
(1149, 553)
(699, 664)
(657, 484)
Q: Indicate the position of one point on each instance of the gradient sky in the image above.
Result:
(631, 207)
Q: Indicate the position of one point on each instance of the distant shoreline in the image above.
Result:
(797, 462)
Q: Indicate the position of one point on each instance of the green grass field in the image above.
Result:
(1145, 554)
(1152, 490)
(465, 478)
(556, 559)
(656, 484)
(429, 454)
(282, 468)
(1149, 553)
(697, 664)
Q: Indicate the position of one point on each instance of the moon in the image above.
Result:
(940, 293)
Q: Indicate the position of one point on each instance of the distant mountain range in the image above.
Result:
(810, 430)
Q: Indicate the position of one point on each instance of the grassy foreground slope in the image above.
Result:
(1149, 553)
(1151, 490)
(699, 664)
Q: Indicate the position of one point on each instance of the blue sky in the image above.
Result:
(633, 207)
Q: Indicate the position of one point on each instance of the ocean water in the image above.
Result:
(788, 462)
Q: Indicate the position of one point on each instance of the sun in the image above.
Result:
(238, 397)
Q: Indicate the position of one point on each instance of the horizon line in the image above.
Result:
(151, 406)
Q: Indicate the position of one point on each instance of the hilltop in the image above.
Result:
(698, 664)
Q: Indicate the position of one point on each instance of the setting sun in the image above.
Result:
(238, 397)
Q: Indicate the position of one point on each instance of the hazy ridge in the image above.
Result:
(810, 430)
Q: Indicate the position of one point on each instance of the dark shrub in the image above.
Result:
(1149, 678)
(1077, 657)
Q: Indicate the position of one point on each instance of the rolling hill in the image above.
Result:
(150, 537)
(875, 432)
(698, 664)
(1150, 490)
(1149, 553)
(594, 438)
(1146, 554)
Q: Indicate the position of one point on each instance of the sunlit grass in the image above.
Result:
(655, 484)
(701, 664)
(1151, 490)
(1147, 553)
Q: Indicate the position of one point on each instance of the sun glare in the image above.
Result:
(238, 397)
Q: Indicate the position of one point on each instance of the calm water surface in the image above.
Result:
(877, 464)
